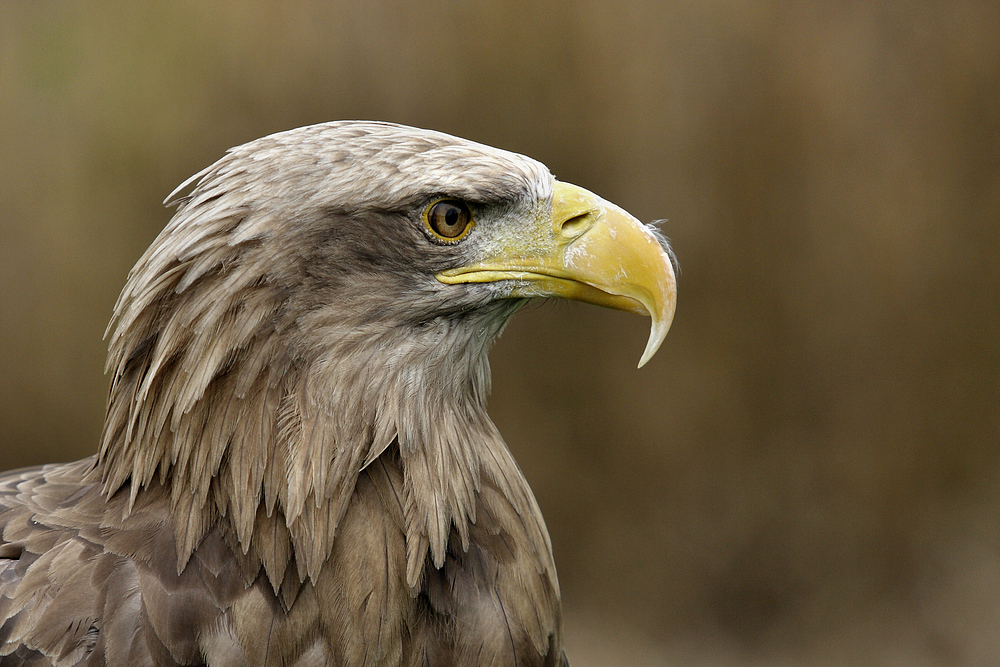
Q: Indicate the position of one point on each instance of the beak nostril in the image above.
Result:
(577, 225)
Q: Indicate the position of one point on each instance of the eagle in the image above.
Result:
(297, 467)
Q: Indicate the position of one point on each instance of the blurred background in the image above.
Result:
(809, 470)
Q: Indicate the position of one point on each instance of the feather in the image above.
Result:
(297, 466)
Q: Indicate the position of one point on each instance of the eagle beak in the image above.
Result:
(588, 250)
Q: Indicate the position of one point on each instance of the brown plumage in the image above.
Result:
(297, 467)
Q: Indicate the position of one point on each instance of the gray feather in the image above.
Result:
(297, 467)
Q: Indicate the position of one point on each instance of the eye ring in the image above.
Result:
(449, 220)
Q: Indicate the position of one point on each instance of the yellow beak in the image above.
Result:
(589, 250)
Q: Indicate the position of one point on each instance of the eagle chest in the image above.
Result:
(492, 602)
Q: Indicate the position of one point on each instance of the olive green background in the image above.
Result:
(809, 470)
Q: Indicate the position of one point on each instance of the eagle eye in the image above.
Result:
(448, 219)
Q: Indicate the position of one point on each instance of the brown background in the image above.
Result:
(807, 473)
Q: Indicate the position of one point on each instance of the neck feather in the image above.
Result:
(234, 407)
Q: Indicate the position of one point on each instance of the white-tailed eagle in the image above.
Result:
(297, 466)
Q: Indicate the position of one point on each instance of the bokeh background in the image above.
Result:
(807, 473)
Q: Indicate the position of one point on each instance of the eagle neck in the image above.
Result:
(422, 391)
